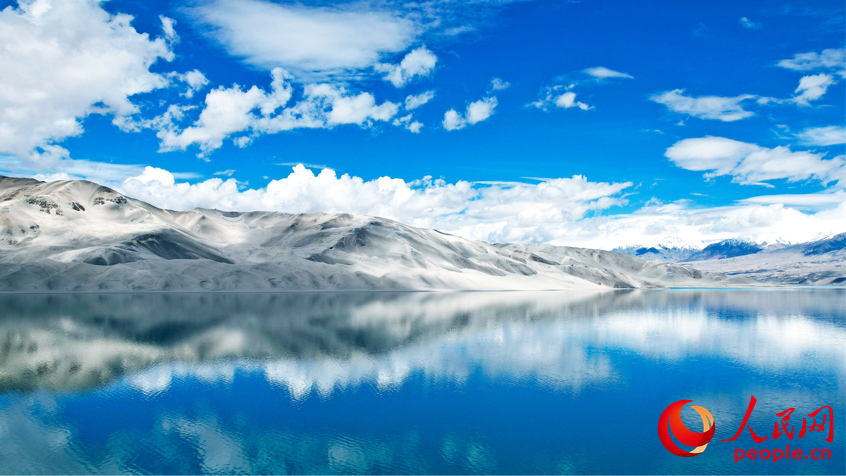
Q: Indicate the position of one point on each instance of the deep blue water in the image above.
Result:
(456, 383)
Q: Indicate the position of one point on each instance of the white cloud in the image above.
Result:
(414, 101)
(823, 136)
(563, 96)
(408, 124)
(228, 172)
(64, 60)
(833, 59)
(498, 84)
(560, 211)
(195, 80)
(453, 120)
(802, 200)
(601, 72)
(70, 169)
(751, 164)
(477, 111)
(812, 88)
(747, 23)
(552, 96)
(568, 100)
(245, 114)
(169, 28)
(685, 224)
(228, 111)
(499, 212)
(727, 109)
(419, 62)
(309, 41)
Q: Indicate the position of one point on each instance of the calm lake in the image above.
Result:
(448, 383)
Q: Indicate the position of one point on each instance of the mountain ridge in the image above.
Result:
(821, 261)
(81, 236)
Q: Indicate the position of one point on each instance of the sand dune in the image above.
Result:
(80, 236)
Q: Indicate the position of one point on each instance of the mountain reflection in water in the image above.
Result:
(207, 372)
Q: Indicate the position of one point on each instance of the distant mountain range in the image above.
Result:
(821, 261)
(80, 236)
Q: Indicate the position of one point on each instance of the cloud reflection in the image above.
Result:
(322, 341)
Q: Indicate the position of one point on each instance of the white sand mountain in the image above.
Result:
(80, 236)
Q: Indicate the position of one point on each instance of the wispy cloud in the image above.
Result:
(601, 72)
(727, 109)
(309, 41)
(69, 169)
(833, 59)
(823, 136)
(751, 164)
(749, 24)
(563, 95)
(498, 84)
(414, 101)
(812, 88)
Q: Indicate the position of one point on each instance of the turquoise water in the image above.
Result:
(447, 383)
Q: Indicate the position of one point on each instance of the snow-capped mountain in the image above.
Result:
(80, 236)
(725, 249)
(821, 261)
(660, 253)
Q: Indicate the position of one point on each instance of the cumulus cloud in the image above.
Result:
(833, 59)
(244, 114)
(601, 72)
(65, 60)
(812, 88)
(568, 100)
(749, 24)
(414, 101)
(409, 124)
(567, 211)
(727, 109)
(498, 212)
(309, 41)
(751, 164)
(419, 62)
(823, 136)
(553, 96)
(477, 111)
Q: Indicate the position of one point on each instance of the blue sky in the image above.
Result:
(682, 122)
